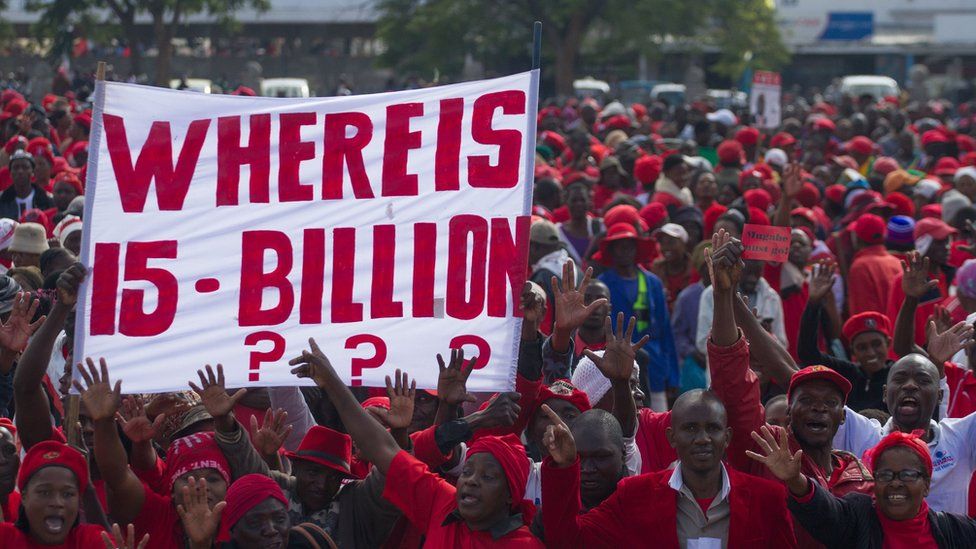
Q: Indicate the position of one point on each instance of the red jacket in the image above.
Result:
(870, 279)
(643, 512)
(428, 501)
(738, 388)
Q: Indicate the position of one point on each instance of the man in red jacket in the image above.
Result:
(816, 396)
(699, 502)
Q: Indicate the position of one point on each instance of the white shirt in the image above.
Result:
(24, 204)
(953, 450)
(768, 303)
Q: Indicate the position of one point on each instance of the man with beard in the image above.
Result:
(699, 502)
(815, 397)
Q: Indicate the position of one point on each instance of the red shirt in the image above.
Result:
(11, 507)
(914, 533)
(427, 500)
(83, 536)
(870, 280)
(159, 519)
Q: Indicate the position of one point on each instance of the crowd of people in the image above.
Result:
(669, 392)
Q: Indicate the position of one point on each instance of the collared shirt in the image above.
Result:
(665, 185)
(26, 203)
(767, 302)
(696, 528)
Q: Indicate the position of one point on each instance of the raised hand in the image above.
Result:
(571, 307)
(822, 280)
(617, 362)
(271, 435)
(100, 398)
(453, 378)
(502, 411)
(312, 364)
(942, 346)
(18, 328)
(792, 180)
(69, 282)
(200, 522)
(135, 424)
(777, 457)
(724, 261)
(119, 541)
(915, 280)
(558, 440)
(401, 394)
(213, 394)
(942, 318)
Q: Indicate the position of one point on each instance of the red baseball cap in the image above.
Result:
(934, 136)
(782, 139)
(869, 321)
(946, 165)
(860, 144)
(835, 193)
(824, 124)
(871, 229)
(809, 195)
(805, 213)
(811, 373)
(936, 228)
(747, 135)
(883, 165)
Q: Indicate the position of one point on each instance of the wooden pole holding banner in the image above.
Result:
(71, 426)
(536, 45)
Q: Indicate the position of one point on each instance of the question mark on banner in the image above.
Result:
(483, 353)
(258, 357)
(360, 364)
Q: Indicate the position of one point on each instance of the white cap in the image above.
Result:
(589, 379)
(723, 116)
(776, 157)
(675, 230)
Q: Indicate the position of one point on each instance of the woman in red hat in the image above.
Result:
(486, 508)
(895, 515)
(52, 479)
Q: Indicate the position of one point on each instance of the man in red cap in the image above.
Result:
(749, 138)
(869, 279)
(867, 334)
(816, 395)
(932, 239)
(861, 149)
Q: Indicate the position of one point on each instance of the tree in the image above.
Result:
(429, 35)
(166, 17)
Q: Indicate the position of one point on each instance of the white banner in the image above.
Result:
(230, 229)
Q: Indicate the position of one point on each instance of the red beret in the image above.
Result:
(667, 199)
(758, 198)
(84, 119)
(870, 229)
(883, 165)
(782, 139)
(811, 373)
(835, 193)
(623, 213)
(16, 107)
(654, 215)
(809, 195)
(869, 321)
(965, 143)
(969, 159)
(554, 141)
(805, 213)
(746, 174)
(747, 135)
(903, 204)
(618, 122)
(711, 215)
(51, 453)
(931, 210)
(758, 217)
(647, 169)
(860, 144)
(730, 153)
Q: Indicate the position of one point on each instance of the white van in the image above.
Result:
(878, 87)
(285, 87)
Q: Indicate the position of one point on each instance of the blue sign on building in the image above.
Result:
(848, 26)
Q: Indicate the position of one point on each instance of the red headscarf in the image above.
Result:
(245, 494)
(510, 454)
(913, 441)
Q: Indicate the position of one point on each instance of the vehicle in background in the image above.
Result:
(285, 87)
(635, 91)
(671, 94)
(877, 87)
(591, 87)
(201, 85)
(728, 99)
